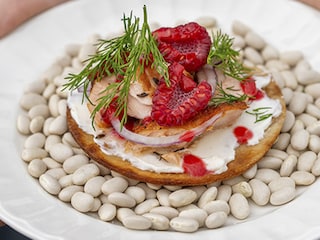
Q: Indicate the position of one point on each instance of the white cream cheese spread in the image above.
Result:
(216, 148)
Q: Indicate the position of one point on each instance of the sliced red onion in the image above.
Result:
(183, 137)
(207, 73)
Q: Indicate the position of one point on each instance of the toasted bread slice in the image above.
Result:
(245, 157)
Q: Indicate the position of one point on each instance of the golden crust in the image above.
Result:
(246, 156)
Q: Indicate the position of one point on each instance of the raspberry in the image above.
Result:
(173, 105)
(187, 44)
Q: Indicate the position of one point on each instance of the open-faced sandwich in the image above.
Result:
(173, 106)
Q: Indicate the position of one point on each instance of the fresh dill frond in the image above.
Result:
(224, 96)
(223, 57)
(260, 113)
(125, 57)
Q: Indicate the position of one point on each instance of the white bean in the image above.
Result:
(66, 181)
(58, 126)
(84, 173)
(182, 197)
(239, 206)
(282, 142)
(123, 213)
(251, 172)
(37, 124)
(35, 87)
(68, 139)
(50, 184)
(216, 220)
(28, 100)
(137, 222)
(36, 168)
(239, 28)
(303, 178)
(269, 52)
(224, 193)
(182, 224)
(270, 162)
(67, 192)
(121, 199)
(217, 206)
(93, 185)
(306, 161)
(282, 196)
(288, 122)
(57, 173)
(254, 40)
(314, 143)
(276, 65)
(23, 123)
(314, 128)
(49, 90)
(137, 193)
(159, 222)
(287, 94)
(266, 175)
(107, 212)
(52, 72)
(29, 154)
(313, 90)
(207, 22)
(288, 165)
(291, 57)
(50, 141)
(168, 212)
(71, 164)
(83, 202)
(242, 187)
(260, 192)
(146, 206)
(300, 139)
(150, 193)
(53, 105)
(306, 77)
(116, 184)
(39, 110)
(36, 140)
(280, 183)
(289, 79)
(163, 197)
(198, 214)
(209, 195)
(253, 55)
(316, 168)
(298, 103)
(60, 152)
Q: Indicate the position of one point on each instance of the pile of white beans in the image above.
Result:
(64, 170)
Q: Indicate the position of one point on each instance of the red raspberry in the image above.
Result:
(187, 44)
(173, 105)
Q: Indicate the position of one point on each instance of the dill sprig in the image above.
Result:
(224, 96)
(124, 56)
(260, 113)
(223, 57)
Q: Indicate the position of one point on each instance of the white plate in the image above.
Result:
(25, 54)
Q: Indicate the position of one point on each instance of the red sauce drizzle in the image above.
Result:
(187, 137)
(249, 88)
(242, 134)
(194, 165)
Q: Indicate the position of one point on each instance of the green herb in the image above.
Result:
(260, 113)
(125, 57)
(223, 57)
(224, 96)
